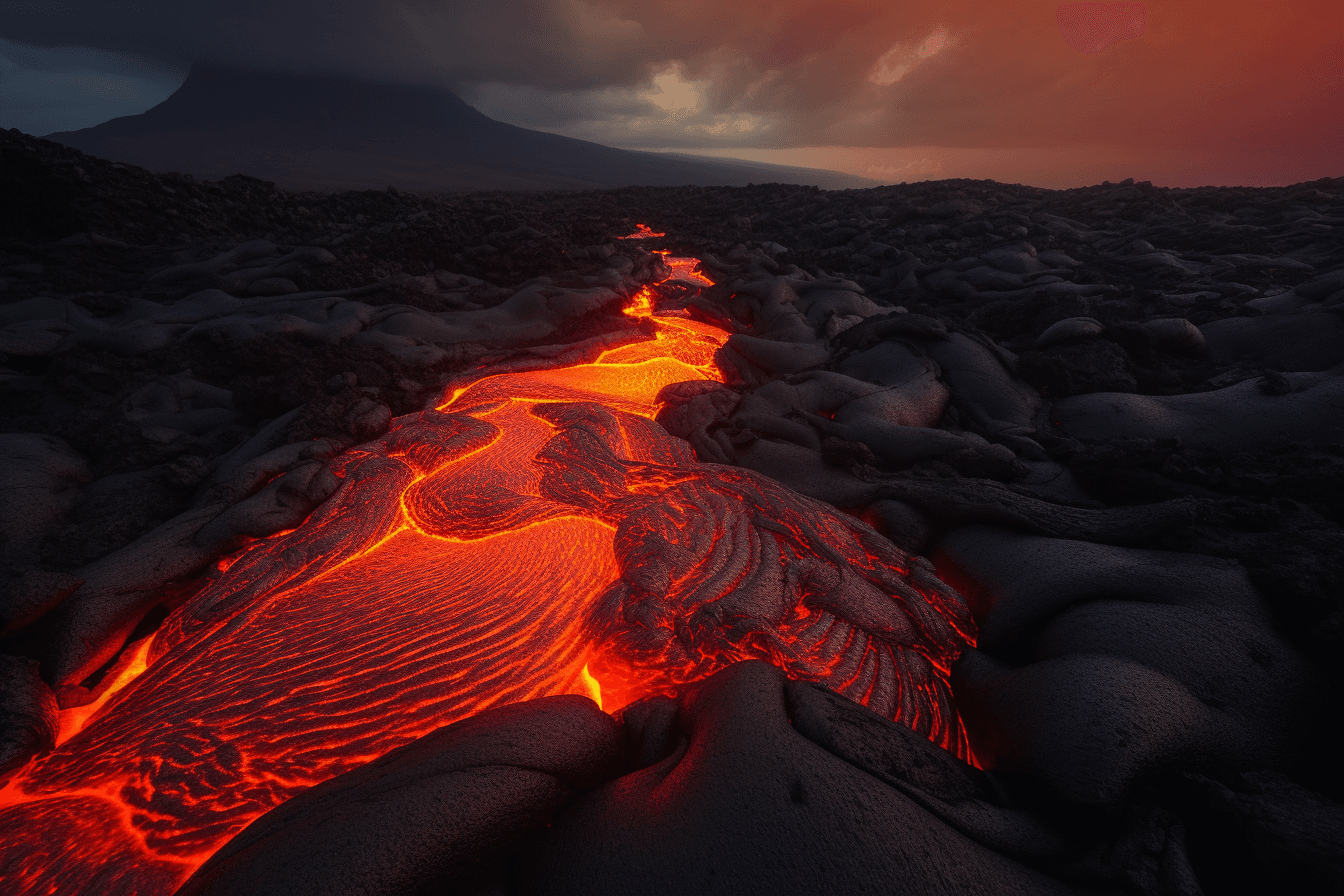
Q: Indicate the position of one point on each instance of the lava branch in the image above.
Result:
(535, 533)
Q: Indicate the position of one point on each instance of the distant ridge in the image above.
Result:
(334, 133)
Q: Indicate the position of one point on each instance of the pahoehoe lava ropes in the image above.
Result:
(535, 533)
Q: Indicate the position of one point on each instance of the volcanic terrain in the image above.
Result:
(951, 537)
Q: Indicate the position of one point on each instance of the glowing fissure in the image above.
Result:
(537, 533)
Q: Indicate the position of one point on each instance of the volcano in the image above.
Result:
(328, 133)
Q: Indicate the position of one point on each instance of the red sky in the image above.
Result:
(1212, 92)
(1229, 92)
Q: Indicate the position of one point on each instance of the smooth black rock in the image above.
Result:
(28, 713)
(444, 813)
(1101, 666)
(746, 803)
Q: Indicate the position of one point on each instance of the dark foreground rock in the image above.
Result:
(744, 802)
(448, 811)
(749, 783)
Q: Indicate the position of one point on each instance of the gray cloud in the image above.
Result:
(559, 44)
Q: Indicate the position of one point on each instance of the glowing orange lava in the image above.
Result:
(642, 232)
(133, 660)
(485, 551)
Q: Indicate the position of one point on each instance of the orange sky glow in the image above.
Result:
(1228, 93)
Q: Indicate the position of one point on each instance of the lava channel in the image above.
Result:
(536, 533)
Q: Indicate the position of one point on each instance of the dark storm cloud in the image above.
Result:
(552, 43)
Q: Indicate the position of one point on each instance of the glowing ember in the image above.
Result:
(537, 533)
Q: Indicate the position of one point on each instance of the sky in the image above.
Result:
(1057, 95)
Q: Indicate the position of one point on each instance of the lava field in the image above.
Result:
(949, 537)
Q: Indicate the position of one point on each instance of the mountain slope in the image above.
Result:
(326, 133)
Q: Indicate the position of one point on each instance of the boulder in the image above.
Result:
(740, 800)
(979, 379)
(444, 813)
(1126, 663)
(889, 363)
(1174, 333)
(28, 713)
(1069, 329)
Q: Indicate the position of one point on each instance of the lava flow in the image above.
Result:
(536, 533)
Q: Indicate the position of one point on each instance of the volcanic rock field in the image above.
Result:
(1099, 431)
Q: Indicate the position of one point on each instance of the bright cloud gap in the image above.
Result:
(901, 59)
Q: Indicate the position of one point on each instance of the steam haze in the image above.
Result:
(1208, 93)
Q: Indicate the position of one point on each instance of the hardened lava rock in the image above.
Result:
(27, 713)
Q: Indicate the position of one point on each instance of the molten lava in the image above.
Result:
(536, 533)
(642, 232)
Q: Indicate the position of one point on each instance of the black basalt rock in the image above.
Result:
(745, 802)
(28, 720)
(444, 813)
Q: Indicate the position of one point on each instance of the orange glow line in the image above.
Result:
(591, 688)
(642, 232)
(133, 661)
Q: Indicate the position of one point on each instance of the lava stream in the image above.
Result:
(536, 533)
